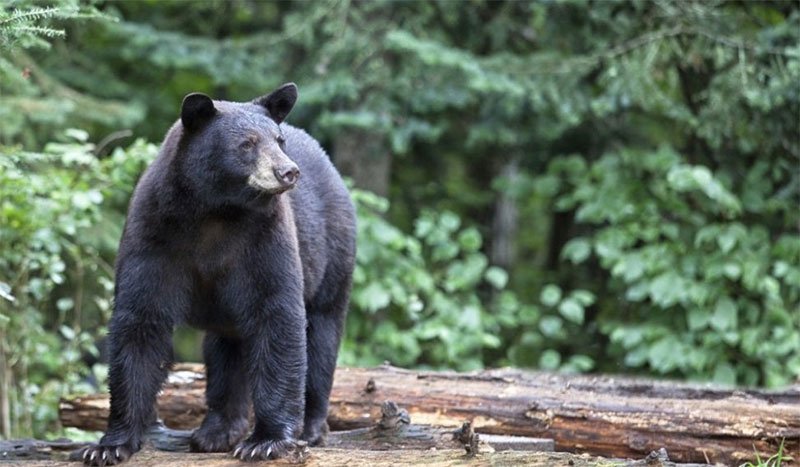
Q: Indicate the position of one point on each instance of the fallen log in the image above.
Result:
(599, 415)
(394, 431)
(393, 440)
(335, 457)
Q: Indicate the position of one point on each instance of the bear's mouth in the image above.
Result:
(268, 185)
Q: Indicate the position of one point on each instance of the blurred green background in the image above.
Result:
(587, 186)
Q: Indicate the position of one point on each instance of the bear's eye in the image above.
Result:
(247, 145)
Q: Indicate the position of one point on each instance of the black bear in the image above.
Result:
(241, 227)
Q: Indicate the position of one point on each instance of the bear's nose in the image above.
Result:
(287, 175)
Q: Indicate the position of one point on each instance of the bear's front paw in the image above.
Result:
(215, 436)
(289, 449)
(102, 455)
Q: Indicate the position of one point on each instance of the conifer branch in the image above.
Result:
(41, 31)
(30, 15)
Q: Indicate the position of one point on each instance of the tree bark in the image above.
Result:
(364, 157)
(599, 415)
(505, 221)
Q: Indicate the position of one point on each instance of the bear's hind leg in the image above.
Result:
(325, 322)
(227, 397)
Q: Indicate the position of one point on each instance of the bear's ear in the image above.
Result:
(279, 102)
(196, 109)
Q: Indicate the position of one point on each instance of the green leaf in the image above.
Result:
(423, 227)
(497, 277)
(581, 363)
(631, 267)
(577, 250)
(449, 221)
(780, 268)
(732, 271)
(770, 286)
(67, 332)
(77, 134)
(470, 239)
(65, 304)
(551, 295)
(94, 196)
(636, 357)
(726, 240)
(663, 354)
(667, 289)
(681, 178)
(547, 185)
(701, 175)
(637, 293)
(550, 325)
(549, 360)
(374, 296)
(725, 316)
(724, 373)
(81, 200)
(584, 297)
(572, 310)
(490, 341)
(697, 319)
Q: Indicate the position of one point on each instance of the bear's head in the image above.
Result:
(234, 152)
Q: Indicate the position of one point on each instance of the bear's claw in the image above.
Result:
(100, 456)
(292, 450)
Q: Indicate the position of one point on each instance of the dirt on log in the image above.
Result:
(599, 415)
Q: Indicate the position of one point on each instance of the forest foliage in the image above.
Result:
(567, 185)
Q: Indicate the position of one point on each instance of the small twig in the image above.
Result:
(98, 150)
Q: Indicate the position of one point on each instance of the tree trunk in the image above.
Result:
(505, 222)
(364, 157)
(599, 415)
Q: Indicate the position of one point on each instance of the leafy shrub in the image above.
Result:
(695, 287)
(422, 299)
(59, 225)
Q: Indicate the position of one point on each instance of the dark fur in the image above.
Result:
(267, 275)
